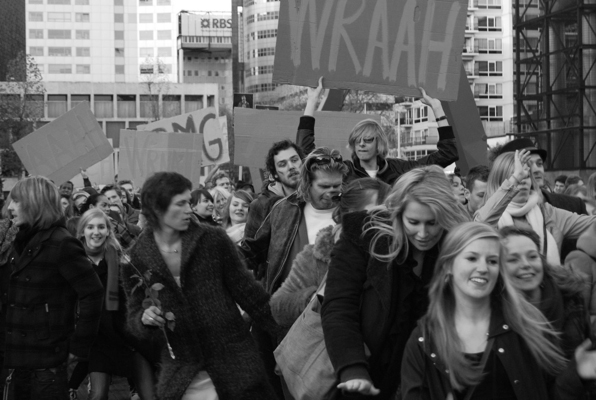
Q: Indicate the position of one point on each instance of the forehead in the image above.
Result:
(535, 158)
(483, 246)
(111, 192)
(223, 178)
(327, 178)
(285, 155)
(418, 211)
(102, 198)
(66, 184)
(97, 221)
(127, 185)
(181, 196)
(478, 186)
(519, 244)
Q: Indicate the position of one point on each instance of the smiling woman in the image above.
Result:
(235, 214)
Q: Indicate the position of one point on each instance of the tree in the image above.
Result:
(154, 78)
(21, 108)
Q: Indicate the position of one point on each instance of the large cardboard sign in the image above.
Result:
(256, 130)
(60, 149)
(467, 127)
(142, 153)
(383, 46)
(101, 173)
(205, 122)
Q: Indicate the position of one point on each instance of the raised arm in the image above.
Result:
(305, 137)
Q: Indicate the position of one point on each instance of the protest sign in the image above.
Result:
(384, 46)
(464, 118)
(142, 153)
(256, 130)
(60, 149)
(101, 173)
(205, 122)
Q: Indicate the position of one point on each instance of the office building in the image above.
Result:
(12, 32)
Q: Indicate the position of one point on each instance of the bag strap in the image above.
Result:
(483, 361)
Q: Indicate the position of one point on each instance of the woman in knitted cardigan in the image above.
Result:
(196, 280)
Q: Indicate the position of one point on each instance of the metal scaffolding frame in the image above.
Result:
(555, 81)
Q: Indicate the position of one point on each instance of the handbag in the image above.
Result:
(302, 356)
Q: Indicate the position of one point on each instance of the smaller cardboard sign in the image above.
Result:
(204, 121)
(464, 118)
(101, 173)
(143, 153)
(255, 131)
(60, 149)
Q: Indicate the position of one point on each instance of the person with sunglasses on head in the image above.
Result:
(293, 223)
(370, 145)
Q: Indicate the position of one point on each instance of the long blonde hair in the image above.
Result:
(427, 186)
(438, 324)
(111, 240)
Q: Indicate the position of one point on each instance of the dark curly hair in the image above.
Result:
(157, 193)
(275, 149)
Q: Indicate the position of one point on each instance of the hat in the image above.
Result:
(80, 193)
(523, 144)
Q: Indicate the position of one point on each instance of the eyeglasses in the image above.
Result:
(367, 140)
(323, 160)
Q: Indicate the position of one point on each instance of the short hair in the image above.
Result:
(157, 193)
(195, 196)
(219, 175)
(358, 194)
(225, 215)
(561, 179)
(452, 175)
(366, 126)
(97, 213)
(107, 188)
(91, 201)
(71, 184)
(572, 180)
(126, 182)
(575, 189)
(477, 173)
(309, 168)
(275, 149)
(40, 201)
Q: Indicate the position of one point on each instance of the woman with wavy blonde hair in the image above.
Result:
(480, 337)
(378, 276)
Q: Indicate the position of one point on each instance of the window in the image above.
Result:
(35, 1)
(119, 69)
(83, 69)
(35, 33)
(119, 52)
(490, 46)
(268, 16)
(59, 17)
(83, 52)
(59, 51)
(420, 114)
(145, 18)
(250, 19)
(36, 16)
(489, 68)
(146, 52)
(82, 17)
(164, 51)
(164, 17)
(491, 113)
(59, 69)
(488, 90)
(119, 35)
(145, 2)
(118, 17)
(267, 51)
(164, 35)
(494, 4)
(488, 24)
(145, 35)
(82, 2)
(58, 1)
(58, 34)
(267, 33)
(82, 34)
(164, 2)
(263, 87)
(118, 2)
(36, 51)
(146, 69)
(164, 68)
(265, 69)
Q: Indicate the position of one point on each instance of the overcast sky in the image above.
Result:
(205, 5)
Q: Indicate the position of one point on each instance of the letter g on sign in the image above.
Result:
(210, 129)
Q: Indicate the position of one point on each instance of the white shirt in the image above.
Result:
(372, 172)
(316, 220)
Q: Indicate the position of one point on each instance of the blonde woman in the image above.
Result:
(220, 198)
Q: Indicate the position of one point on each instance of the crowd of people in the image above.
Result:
(429, 285)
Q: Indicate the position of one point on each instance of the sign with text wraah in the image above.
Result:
(256, 130)
(60, 149)
(205, 122)
(384, 46)
(142, 153)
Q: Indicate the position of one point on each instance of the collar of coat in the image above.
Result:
(381, 162)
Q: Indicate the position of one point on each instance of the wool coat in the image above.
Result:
(210, 333)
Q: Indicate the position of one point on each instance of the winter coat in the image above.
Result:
(48, 278)
(210, 333)
(390, 169)
(424, 376)
(308, 270)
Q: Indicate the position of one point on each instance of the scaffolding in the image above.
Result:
(555, 79)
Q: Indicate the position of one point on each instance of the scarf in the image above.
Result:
(533, 214)
(8, 233)
(111, 257)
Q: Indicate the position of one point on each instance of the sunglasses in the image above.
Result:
(323, 160)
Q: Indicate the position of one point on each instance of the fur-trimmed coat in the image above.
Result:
(210, 333)
(308, 270)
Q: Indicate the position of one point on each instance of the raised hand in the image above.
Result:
(521, 165)
(362, 386)
(586, 360)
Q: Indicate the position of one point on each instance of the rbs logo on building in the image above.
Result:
(216, 23)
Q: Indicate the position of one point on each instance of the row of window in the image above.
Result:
(484, 24)
(76, 2)
(222, 60)
(161, 52)
(262, 34)
(157, 2)
(116, 2)
(491, 113)
(263, 52)
(204, 73)
(488, 90)
(261, 70)
(160, 17)
(58, 34)
(206, 39)
(146, 69)
(490, 4)
(484, 68)
(248, 3)
(161, 35)
(266, 16)
(58, 17)
(262, 87)
(484, 46)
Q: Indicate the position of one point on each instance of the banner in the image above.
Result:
(256, 130)
(60, 149)
(384, 46)
(143, 153)
(205, 122)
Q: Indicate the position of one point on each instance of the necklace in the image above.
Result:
(168, 251)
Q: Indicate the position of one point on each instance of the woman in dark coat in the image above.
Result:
(50, 275)
(197, 279)
(378, 277)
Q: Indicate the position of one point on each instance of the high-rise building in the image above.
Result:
(12, 32)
